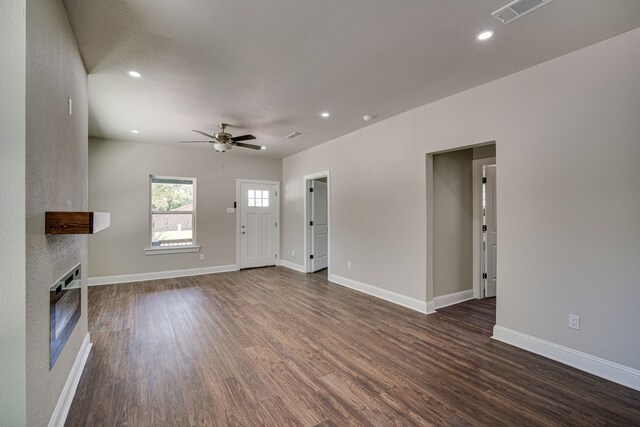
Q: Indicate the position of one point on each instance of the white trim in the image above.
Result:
(171, 250)
(430, 225)
(611, 371)
(405, 301)
(238, 208)
(156, 275)
(59, 415)
(306, 229)
(478, 291)
(292, 266)
(431, 307)
(453, 298)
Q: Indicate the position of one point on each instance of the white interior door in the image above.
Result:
(491, 234)
(319, 228)
(258, 225)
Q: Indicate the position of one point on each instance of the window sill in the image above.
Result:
(171, 250)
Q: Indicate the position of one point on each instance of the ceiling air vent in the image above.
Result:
(294, 135)
(518, 9)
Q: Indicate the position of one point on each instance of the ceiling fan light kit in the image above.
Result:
(221, 147)
(223, 141)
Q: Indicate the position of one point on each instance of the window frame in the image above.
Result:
(158, 250)
(261, 199)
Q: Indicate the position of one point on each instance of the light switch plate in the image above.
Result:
(231, 210)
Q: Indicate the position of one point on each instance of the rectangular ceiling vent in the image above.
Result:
(294, 135)
(518, 9)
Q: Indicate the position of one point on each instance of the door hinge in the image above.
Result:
(276, 193)
(484, 179)
(484, 275)
(310, 256)
(276, 255)
(276, 224)
(311, 190)
(310, 222)
(484, 228)
(235, 205)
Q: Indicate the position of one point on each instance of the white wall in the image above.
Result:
(119, 183)
(12, 212)
(568, 144)
(452, 222)
(56, 179)
(371, 223)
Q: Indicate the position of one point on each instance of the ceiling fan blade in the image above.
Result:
(186, 142)
(243, 138)
(204, 133)
(251, 146)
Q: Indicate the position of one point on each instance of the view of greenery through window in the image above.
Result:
(168, 197)
(171, 212)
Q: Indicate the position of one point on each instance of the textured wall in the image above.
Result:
(56, 166)
(452, 222)
(12, 212)
(567, 145)
(119, 183)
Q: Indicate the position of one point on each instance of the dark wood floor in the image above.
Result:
(275, 347)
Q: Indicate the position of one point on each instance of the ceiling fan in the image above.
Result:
(223, 141)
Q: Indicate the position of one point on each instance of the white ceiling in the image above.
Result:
(272, 66)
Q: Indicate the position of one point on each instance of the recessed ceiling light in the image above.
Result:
(263, 148)
(136, 131)
(485, 35)
(368, 117)
(135, 74)
(325, 114)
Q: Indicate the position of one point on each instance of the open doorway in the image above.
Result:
(461, 226)
(317, 222)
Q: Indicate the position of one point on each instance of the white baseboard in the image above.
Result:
(431, 307)
(405, 301)
(611, 371)
(454, 298)
(293, 266)
(139, 277)
(61, 410)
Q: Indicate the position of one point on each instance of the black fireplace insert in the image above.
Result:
(64, 311)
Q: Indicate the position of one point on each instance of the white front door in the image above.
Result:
(319, 225)
(491, 233)
(258, 224)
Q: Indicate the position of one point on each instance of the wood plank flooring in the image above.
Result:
(275, 347)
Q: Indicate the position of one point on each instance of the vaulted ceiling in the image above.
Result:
(270, 67)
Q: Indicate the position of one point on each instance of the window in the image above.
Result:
(172, 214)
(258, 198)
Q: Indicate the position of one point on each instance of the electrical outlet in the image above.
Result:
(574, 321)
(349, 265)
(201, 257)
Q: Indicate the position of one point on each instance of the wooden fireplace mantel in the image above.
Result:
(76, 222)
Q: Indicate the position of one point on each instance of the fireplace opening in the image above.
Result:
(64, 311)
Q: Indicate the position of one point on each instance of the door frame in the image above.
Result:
(238, 203)
(478, 289)
(307, 227)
